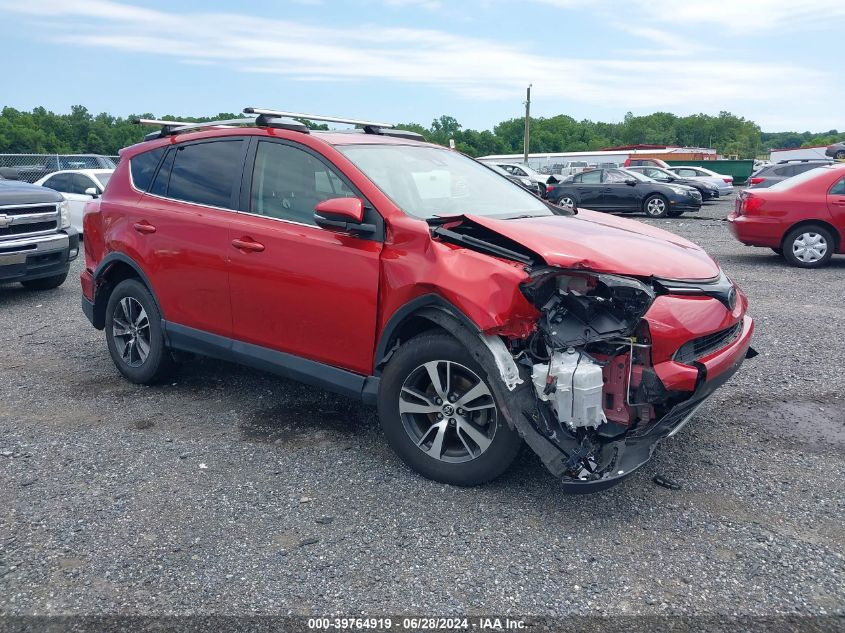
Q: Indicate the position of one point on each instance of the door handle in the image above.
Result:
(247, 244)
(144, 227)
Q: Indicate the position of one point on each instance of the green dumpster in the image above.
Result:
(739, 169)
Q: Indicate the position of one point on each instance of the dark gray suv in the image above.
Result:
(771, 174)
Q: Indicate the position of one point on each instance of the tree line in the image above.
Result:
(82, 132)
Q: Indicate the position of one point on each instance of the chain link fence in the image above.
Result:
(31, 167)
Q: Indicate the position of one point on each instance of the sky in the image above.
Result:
(776, 62)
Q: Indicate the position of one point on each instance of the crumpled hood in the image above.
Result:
(606, 243)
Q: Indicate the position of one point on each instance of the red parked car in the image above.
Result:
(475, 315)
(801, 218)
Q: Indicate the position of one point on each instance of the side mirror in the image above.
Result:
(345, 215)
(93, 192)
(670, 179)
(631, 182)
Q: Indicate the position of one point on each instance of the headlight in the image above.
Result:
(64, 213)
(679, 190)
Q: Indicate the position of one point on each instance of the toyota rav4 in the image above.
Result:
(473, 314)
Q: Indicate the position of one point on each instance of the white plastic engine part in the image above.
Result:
(578, 385)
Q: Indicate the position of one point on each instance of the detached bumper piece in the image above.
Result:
(37, 257)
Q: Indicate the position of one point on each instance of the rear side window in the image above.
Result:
(592, 177)
(206, 173)
(59, 182)
(838, 188)
(143, 168)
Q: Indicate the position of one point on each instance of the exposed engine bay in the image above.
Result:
(589, 361)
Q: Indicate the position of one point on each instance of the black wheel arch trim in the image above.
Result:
(98, 309)
(430, 307)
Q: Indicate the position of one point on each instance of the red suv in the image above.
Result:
(406, 274)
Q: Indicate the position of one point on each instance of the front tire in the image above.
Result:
(809, 246)
(134, 335)
(656, 206)
(45, 283)
(440, 415)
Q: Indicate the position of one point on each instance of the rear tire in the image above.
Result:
(436, 436)
(840, 155)
(568, 203)
(656, 206)
(134, 335)
(45, 283)
(779, 251)
(808, 246)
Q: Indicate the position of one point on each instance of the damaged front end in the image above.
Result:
(594, 408)
(598, 367)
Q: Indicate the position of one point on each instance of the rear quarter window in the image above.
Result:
(143, 168)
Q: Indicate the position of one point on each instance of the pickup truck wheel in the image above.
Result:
(134, 335)
(656, 206)
(440, 415)
(808, 246)
(45, 283)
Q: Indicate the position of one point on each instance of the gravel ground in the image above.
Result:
(230, 491)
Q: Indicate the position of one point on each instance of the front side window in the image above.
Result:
(104, 179)
(288, 182)
(206, 173)
(428, 182)
(79, 183)
(615, 177)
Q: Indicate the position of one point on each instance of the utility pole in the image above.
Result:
(527, 119)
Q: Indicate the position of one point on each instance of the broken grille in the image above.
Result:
(704, 345)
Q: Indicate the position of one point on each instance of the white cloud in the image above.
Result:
(473, 68)
(747, 15)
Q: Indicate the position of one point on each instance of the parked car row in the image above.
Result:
(773, 173)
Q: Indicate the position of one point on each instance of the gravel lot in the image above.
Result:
(230, 491)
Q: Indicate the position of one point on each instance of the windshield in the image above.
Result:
(428, 182)
(104, 178)
(800, 179)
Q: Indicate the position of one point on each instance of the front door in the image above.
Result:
(295, 287)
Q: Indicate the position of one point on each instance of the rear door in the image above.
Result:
(588, 187)
(180, 231)
(296, 287)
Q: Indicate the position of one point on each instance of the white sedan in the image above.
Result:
(78, 186)
(723, 181)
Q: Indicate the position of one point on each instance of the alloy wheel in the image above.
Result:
(656, 206)
(131, 331)
(448, 411)
(567, 203)
(809, 247)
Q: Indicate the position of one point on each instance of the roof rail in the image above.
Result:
(274, 119)
(315, 117)
(169, 128)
